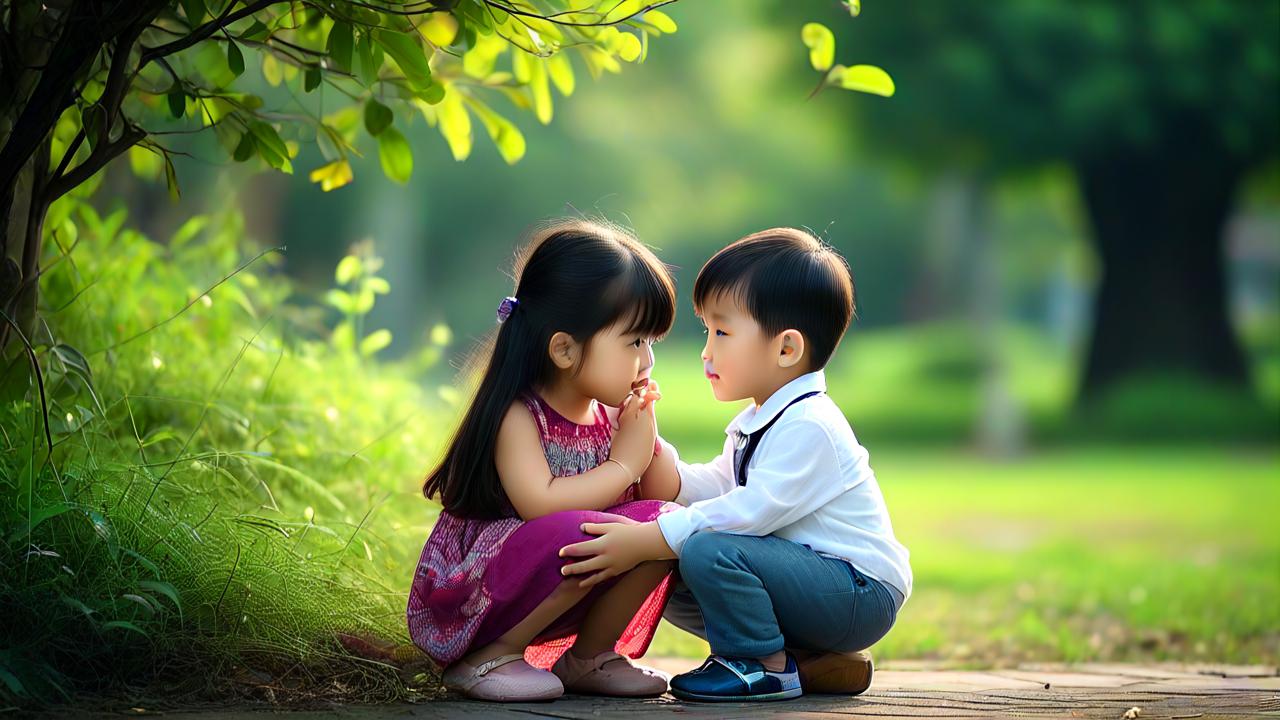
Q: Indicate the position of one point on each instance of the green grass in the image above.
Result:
(228, 492)
(1105, 554)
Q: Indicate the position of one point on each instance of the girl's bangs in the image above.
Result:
(644, 302)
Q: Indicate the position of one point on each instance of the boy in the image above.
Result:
(785, 546)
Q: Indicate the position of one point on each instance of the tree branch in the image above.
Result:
(203, 32)
(113, 94)
(98, 159)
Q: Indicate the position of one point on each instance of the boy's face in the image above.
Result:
(739, 359)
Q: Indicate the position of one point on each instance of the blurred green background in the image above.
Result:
(1064, 230)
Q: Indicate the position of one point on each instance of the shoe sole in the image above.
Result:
(545, 697)
(836, 675)
(783, 695)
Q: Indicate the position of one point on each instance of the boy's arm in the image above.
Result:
(700, 481)
(800, 473)
(619, 547)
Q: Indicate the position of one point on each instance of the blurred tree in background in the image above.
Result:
(1161, 109)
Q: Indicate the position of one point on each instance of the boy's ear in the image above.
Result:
(563, 350)
(791, 350)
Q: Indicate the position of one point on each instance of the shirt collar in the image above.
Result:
(753, 418)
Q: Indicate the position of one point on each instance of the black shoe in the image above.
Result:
(728, 679)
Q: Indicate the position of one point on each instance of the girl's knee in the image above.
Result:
(560, 517)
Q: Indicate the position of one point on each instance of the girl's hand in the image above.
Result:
(637, 433)
(620, 546)
(649, 393)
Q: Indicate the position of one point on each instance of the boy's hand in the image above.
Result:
(620, 546)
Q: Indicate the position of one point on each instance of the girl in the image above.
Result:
(560, 433)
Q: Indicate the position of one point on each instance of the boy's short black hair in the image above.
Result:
(785, 278)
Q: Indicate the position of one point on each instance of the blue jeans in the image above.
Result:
(753, 596)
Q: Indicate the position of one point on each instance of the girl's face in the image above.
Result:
(615, 363)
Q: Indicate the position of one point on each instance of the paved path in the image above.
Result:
(902, 690)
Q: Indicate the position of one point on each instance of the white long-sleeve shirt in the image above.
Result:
(809, 482)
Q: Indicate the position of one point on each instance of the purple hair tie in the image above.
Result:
(506, 307)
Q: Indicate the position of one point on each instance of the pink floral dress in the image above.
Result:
(478, 578)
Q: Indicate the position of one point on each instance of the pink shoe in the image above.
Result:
(608, 674)
(507, 678)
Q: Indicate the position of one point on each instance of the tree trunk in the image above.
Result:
(1161, 306)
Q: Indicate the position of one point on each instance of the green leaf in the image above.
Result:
(341, 300)
(395, 154)
(378, 285)
(377, 117)
(855, 7)
(124, 625)
(39, 515)
(522, 66)
(195, 11)
(348, 269)
(270, 146)
(142, 560)
(433, 94)
(660, 20)
(188, 231)
(140, 600)
(374, 342)
(541, 90)
(561, 72)
(408, 54)
(245, 149)
(367, 63)
(340, 45)
(235, 59)
(171, 179)
(821, 44)
(78, 605)
(440, 29)
(256, 31)
(455, 124)
(177, 103)
(165, 589)
(862, 78)
(505, 135)
(343, 337)
(628, 46)
(310, 80)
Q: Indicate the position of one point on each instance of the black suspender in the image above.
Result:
(746, 444)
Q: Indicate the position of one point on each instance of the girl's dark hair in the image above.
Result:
(574, 276)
